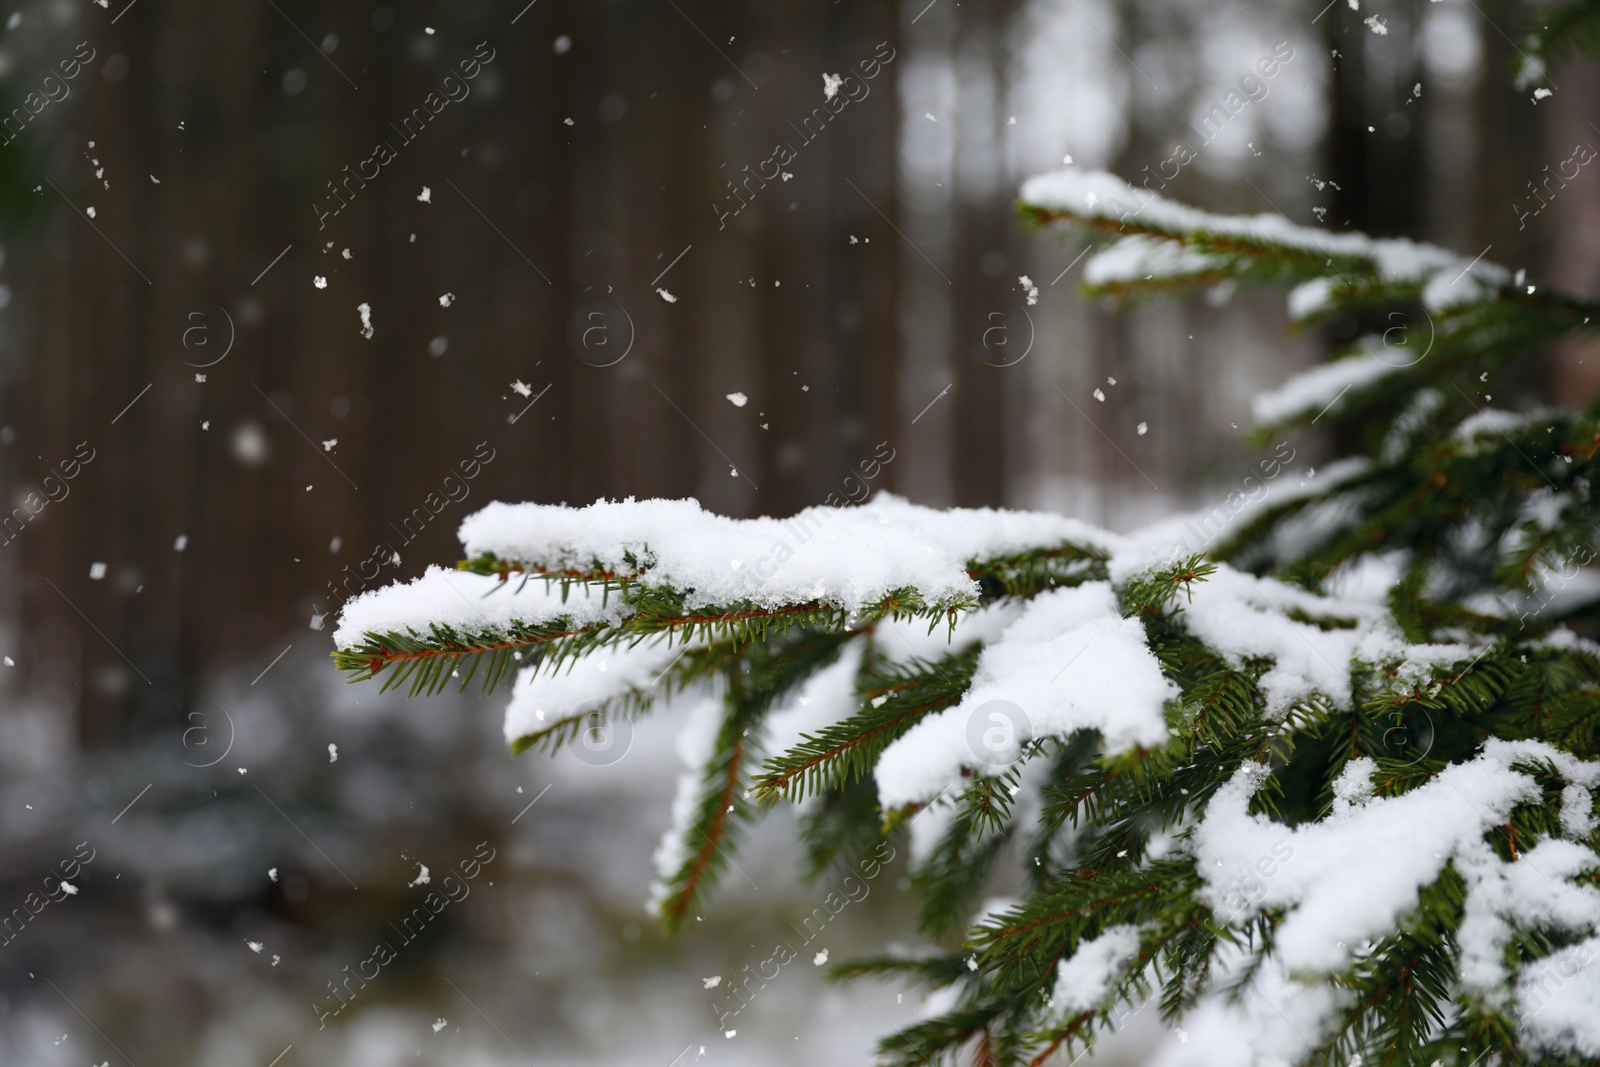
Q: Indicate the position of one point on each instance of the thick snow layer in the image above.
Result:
(467, 602)
(1310, 298)
(1244, 617)
(1536, 890)
(1323, 385)
(1071, 662)
(1558, 1000)
(1447, 279)
(1350, 877)
(1276, 1020)
(1495, 423)
(540, 697)
(1084, 979)
(1141, 258)
(846, 557)
(843, 556)
(1167, 541)
(1577, 811)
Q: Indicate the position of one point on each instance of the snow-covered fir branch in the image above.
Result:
(1313, 781)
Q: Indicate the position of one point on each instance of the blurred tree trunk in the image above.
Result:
(213, 159)
(984, 288)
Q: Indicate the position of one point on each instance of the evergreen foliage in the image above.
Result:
(1564, 30)
(1477, 667)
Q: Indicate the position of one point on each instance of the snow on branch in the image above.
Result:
(846, 557)
(1344, 773)
(622, 570)
(1161, 241)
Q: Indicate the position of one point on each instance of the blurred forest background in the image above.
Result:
(557, 285)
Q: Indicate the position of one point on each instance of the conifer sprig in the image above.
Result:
(894, 698)
(1276, 701)
(1562, 31)
(431, 660)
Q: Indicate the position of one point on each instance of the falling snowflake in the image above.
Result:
(447, 299)
(1029, 288)
(333, 752)
(668, 297)
(366, 320)
(439, 1024)
(738, 400)
(426, 196)
(320, 282)
(830, 85)
(423, 877)
(820, 958)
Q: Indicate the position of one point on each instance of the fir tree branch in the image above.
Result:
(429, 659)
(690, 879)
(1566, 29)
(895, 699)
